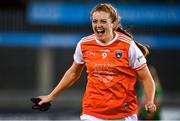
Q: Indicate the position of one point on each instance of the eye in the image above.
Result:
(94, 21)
(103, 21)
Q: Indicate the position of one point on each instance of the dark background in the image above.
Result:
(27, 71)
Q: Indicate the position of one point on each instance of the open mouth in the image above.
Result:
(100, 31)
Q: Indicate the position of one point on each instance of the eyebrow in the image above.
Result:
(100, 19)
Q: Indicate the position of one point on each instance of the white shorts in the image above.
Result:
(86, 117)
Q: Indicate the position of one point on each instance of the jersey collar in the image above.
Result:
(110, 42)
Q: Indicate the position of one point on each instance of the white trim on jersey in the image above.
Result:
(86, 117)
(121, 38)
(110, 42)
(136, 57)
(78, 57)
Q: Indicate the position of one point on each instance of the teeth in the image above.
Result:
(100, 30)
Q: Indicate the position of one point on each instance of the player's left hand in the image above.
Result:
(151, 107)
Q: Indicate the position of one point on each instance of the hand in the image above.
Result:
(45, 99)
(41, 103)
(151, 107)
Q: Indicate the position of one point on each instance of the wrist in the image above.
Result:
(51, 96)
(150, 102)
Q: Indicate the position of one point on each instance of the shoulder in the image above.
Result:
(88, 38)
(124, 38)
(86, 41)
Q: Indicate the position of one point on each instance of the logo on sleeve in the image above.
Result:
(139, 58)
(118, 54)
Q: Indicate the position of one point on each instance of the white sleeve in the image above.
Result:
(78, 57)
(136, 57)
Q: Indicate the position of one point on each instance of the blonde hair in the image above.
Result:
(108, 8)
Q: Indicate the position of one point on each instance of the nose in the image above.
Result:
(98, 24)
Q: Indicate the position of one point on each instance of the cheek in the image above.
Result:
(109, 27)
(92, 26)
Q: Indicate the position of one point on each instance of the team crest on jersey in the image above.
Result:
(118, 54)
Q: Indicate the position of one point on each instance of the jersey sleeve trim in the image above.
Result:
(78, 56)
(142, 66)
(76, 60)
(136, 57)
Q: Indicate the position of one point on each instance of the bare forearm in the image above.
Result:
(67, 80)
(149, 89)
(71, 75)
(148, 84)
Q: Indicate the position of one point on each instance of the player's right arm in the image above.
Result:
(71, 75)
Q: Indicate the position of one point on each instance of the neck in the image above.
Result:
(108, 38)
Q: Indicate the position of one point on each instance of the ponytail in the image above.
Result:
(142, 47)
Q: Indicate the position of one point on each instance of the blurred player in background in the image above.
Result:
(113, 62)
(143, 114)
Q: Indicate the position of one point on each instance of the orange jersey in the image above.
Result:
(111, 70)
